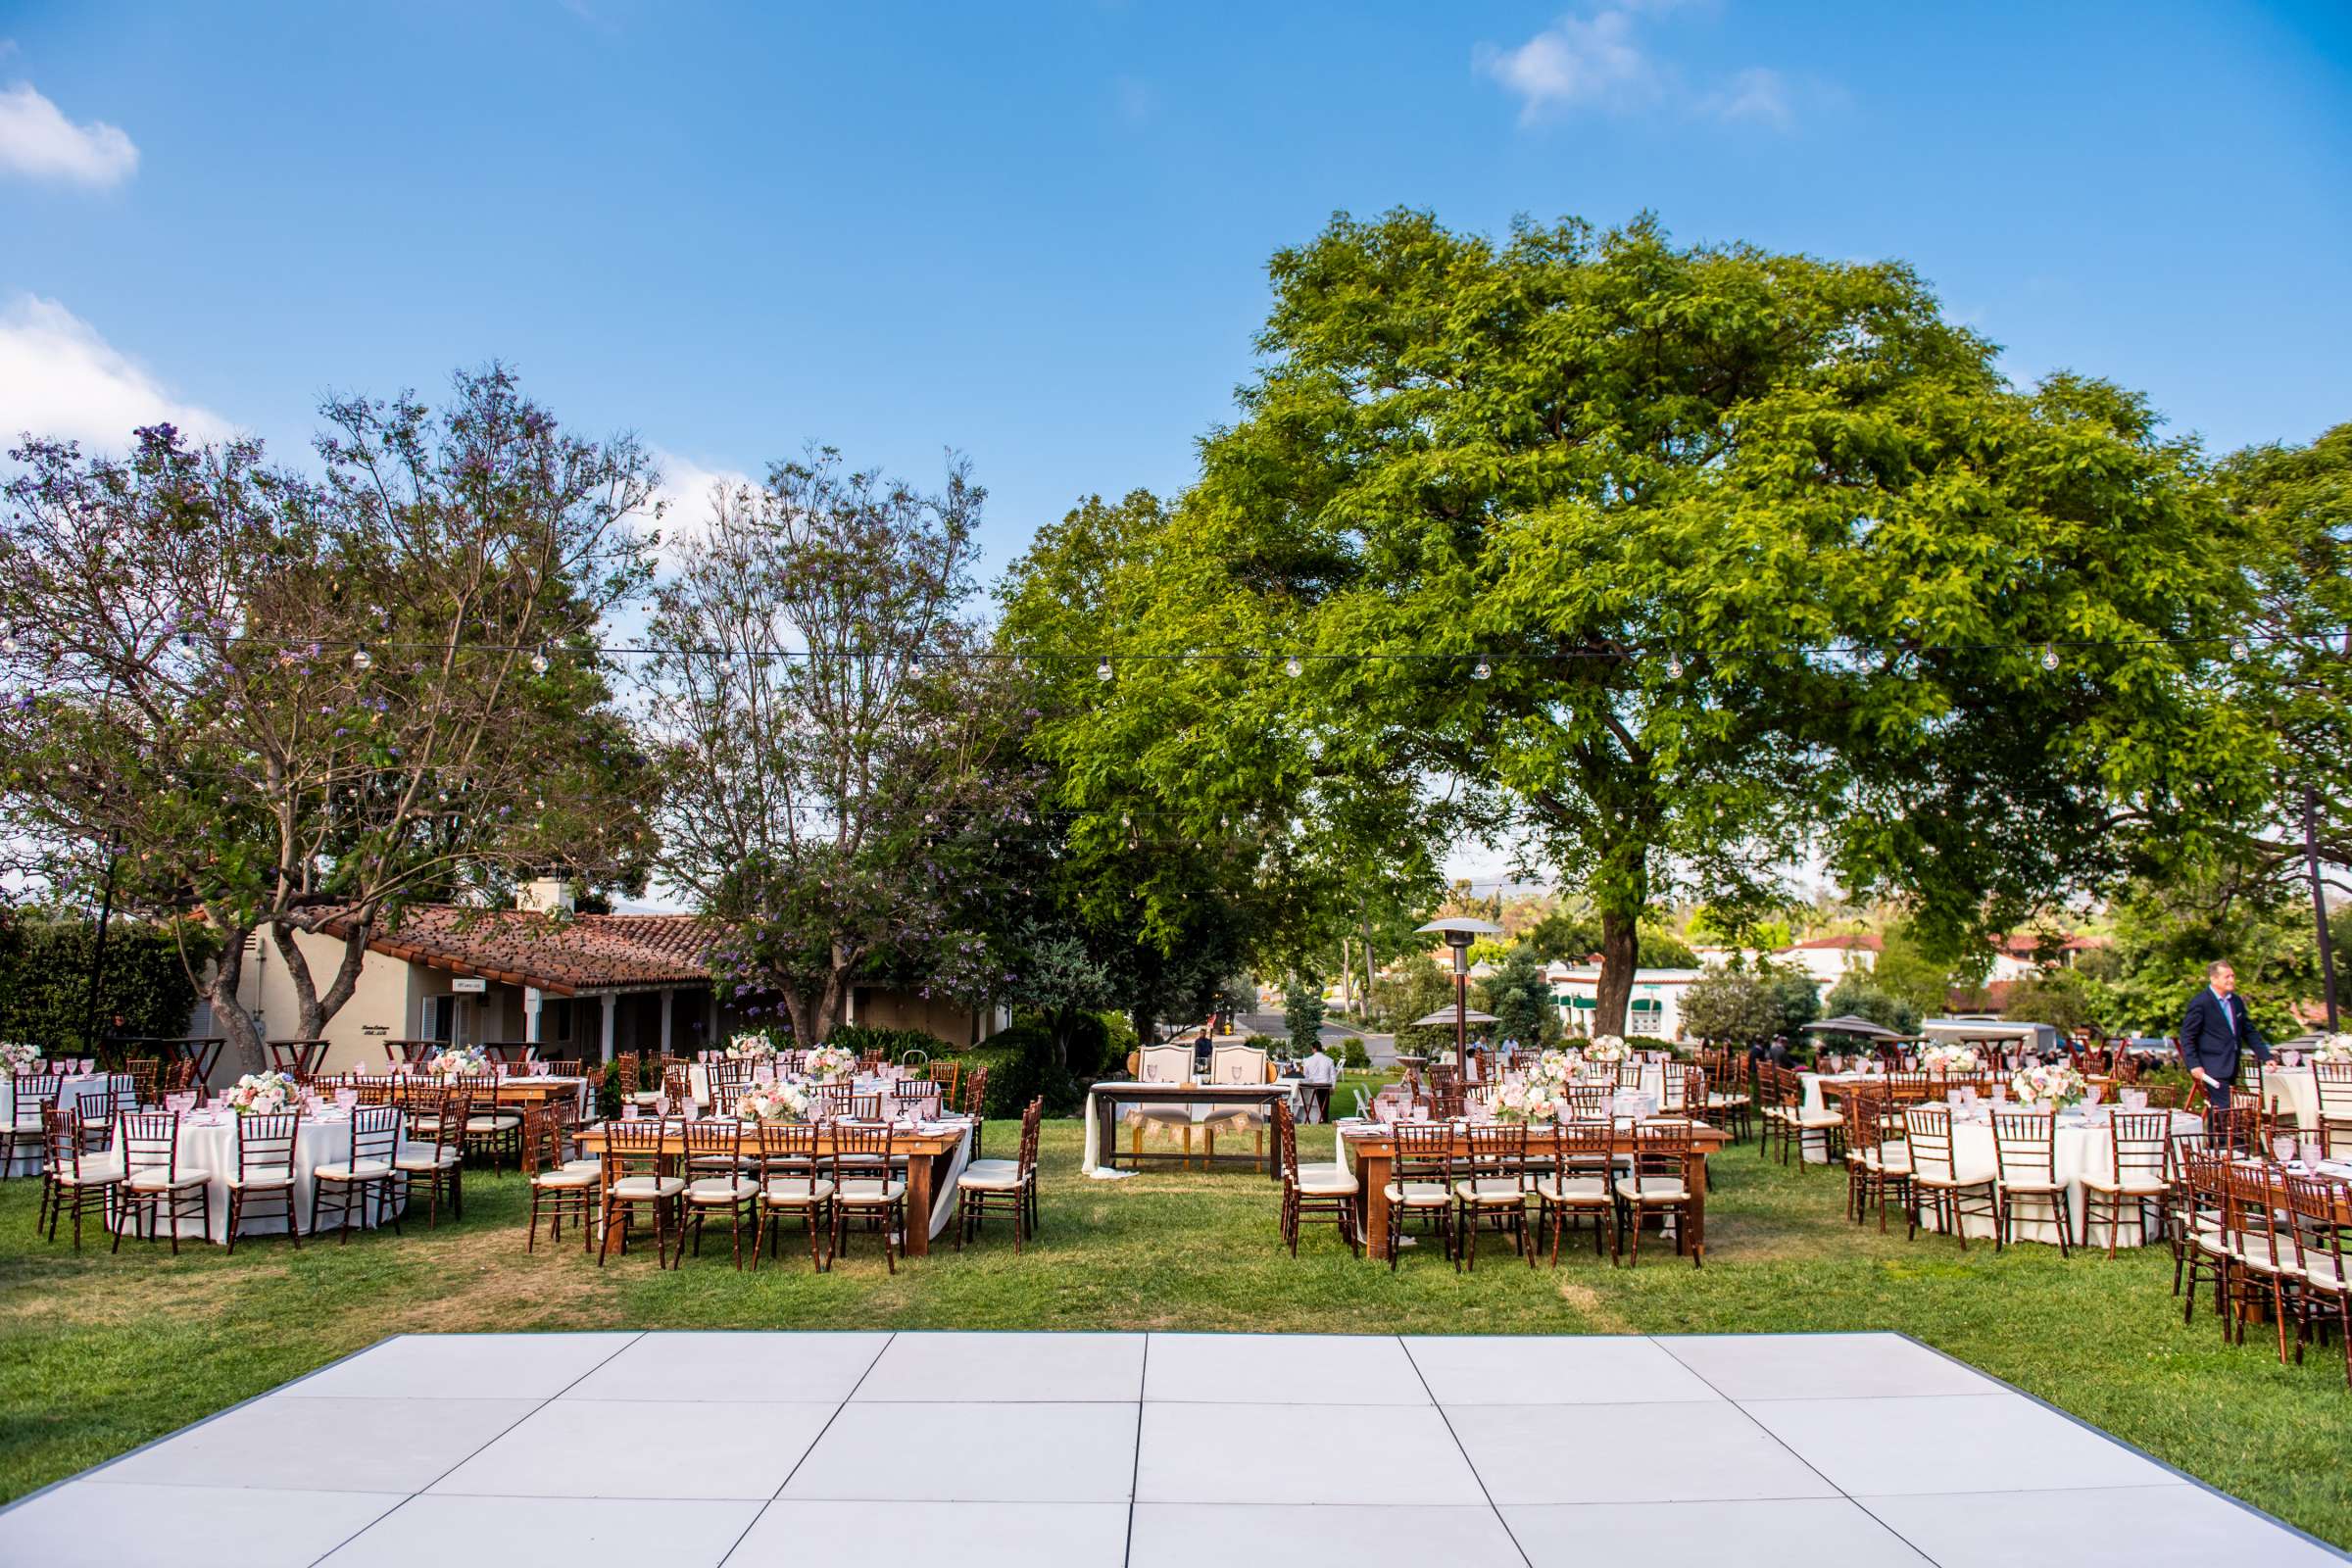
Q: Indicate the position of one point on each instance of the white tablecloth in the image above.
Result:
(2293, 1089)
(28, 1161)
(2080, 1151)
(212, 1147)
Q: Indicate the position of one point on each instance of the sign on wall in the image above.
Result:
(469, 984)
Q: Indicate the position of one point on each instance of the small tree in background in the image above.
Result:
(1520, 998)
(1731, 1006)
(1302, 1013)
(1857, 995)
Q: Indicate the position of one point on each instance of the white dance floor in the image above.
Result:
(1132, 1451)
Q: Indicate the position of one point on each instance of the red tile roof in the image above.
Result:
(520, 948)
(1866, 941)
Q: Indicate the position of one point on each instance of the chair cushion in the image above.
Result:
(565, 1177)
(492, 1124)
(788, 1191)
(429, 1163)
(648, 1187)
(155, 1181)
(1490, 1190)
(991, 1181)
(2034, 1187)
(2134, 1184)
(860, 1190)
(1573, 1190)
(1326, 1181)
(593, 1167)
(2322, 1270)
(364, 1170)
(993, 1168)
(93, 1175)
(260, 1181)
(1819, 1118)
(1419, 1194)
(1652, 1189)
(721, 1189)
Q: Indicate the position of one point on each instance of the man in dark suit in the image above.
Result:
(2213, 1033)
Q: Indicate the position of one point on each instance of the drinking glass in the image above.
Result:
(2091, 1094)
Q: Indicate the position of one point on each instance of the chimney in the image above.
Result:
(546, 894)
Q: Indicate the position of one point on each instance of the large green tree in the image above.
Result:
(294, 701)
(1671, 562)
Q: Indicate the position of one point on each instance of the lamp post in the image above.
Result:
(1460, 931)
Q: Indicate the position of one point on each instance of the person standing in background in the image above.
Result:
(2215, 1032)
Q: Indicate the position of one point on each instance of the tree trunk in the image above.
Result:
(230, 1016)
(1620, 958)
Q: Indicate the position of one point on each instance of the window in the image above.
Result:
(1647, 1016)
(440, 1019)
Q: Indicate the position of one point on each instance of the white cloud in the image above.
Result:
(1599, 62)
(38, 142)
(1581, 62)
(58, 378)
(685, 494)
(1758, 95)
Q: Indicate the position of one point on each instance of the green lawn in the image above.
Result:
(98, 1354)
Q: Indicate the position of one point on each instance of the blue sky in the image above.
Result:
(1037, 233)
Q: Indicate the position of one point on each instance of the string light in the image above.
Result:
(2049, 656)
(1674, 666)
(361, 658)
(1482, 671)
(2237, 647)
(1102, 670)
(1292, 667)
(539, 661)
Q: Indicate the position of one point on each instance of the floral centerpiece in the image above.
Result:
(829, 1063)
(1949, 1059)
(782, 1100)
(2047, 1083)
(1533, 1104)
(1555, 1068)
(1605, 1051)
(2331, 1047)
(260, 1094)
(17, 1057)
(458, 1061)
(751, 1047)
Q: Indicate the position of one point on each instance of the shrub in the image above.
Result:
(45, 981)
(1731, 1008)
(1352, 1056)
(1303, 1014)
(2059, 998)
(1856, 995)
(1020, 1068)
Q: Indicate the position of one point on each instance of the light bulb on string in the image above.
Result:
(1674, 666)
(1480, 670)
(2237, 647)
(540, 661)
(1102, 670)
(2049, 656)
(362, 658)
(1292, 668)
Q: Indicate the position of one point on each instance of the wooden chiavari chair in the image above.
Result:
(440, 1163)
(2024, 1147)
(730, 1079)
(72, 1181)
(1421, 1182)
(1490, 1190)
(34, 1097)
(265, 1171)
(562, 1187)
(864, 1188)
(790, 1184)
(367, 1178)
(2266, 1269)
(975, 1106)
(2207, 1250)
(1311, 1191)
(2138, 1175)
(2318, 1208)
(1572, 1182)
(2236, 1126)
(1886, 1154)
(1010, 1186)
(144, 1072)
(1629, 1073)
(2334, 1080)
(155, 1184)
(1659, 1184)
(1936, 1177)
(714, 1148)
(1590, 1102)
(493, 1131)
(637, 1175)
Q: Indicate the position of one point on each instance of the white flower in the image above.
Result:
(261, 1094)
(18, 1056)
(751, 1047)
(458, 1061)
(828, 1063)
(1948, 1058)
(2333, 1048)
(1606, 1048)
(783, 1101)
(2041, 1082)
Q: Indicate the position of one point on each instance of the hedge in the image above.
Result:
(45, 981)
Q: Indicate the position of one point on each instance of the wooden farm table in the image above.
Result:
(930, 1167)
(506, 1091)
(1375, 1153)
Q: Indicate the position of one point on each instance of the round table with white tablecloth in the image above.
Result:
(208, 1142)
(2083, 1150)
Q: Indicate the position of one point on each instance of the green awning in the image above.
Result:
(1649, 1005)
(1581, 1001)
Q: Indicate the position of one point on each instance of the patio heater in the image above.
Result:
(1460, 931)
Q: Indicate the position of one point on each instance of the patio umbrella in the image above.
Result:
(1448, 1016)
(1848, 1024)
